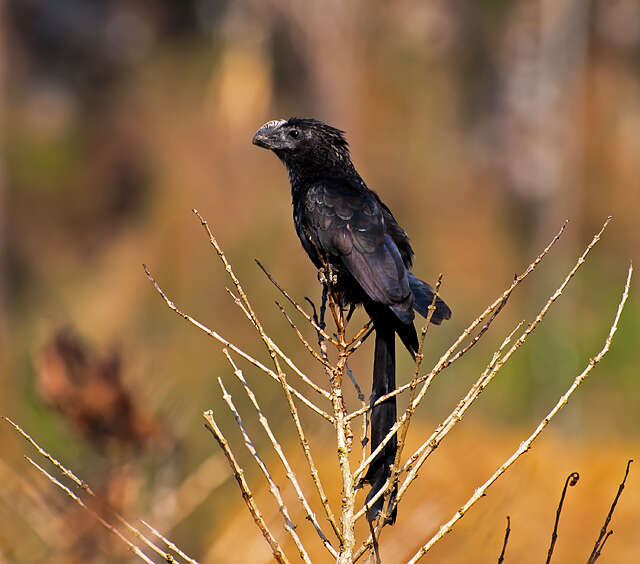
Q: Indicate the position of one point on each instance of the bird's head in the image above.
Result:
(304, 143)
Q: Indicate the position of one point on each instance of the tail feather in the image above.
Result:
(383, 416)
(387, 321)
(422, 299)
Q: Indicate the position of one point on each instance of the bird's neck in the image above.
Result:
(302, 176)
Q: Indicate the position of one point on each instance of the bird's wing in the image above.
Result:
(349, 224)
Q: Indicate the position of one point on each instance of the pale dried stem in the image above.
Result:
(446, 360)
(81, 484)
(402, 433)
(343, 439)
(365, 422)
(215, 335)
(423, 452)
(64, 471)
(405, 467)
(526, 445)
(247, 496)
(280, 452)
(278, 350)
(132, 547)
(289, 526)
(281, 377)
(418, 458)
(359, 337)
(169, 544)
(298, 307)
(309, 348)
(138, 534)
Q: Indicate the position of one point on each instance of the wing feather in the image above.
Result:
(351, 226)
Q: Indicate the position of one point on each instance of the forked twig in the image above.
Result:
(295, 304)
(270, 343)
(66, 472)
(273, 488)
(247, 496)
(389, 504)
(446, 359)
(456, 415)
(132, 547)
(422, 453)
(280, 452)
(293, 410)
(308, 347)
(604, 534)
(215, 335)
(526, 445)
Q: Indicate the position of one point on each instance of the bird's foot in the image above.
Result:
(327, 276)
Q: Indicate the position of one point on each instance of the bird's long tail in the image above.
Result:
(383, 416)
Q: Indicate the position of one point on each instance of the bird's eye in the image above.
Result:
(294, 133)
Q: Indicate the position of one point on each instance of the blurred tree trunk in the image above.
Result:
(3, 190)
(542, 63)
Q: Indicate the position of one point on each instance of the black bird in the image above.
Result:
(345, 226)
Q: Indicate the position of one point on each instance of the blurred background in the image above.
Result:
(483, 125)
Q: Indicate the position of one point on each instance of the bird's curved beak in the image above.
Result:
(266, 136)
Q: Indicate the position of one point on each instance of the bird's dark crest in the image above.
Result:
(332, 134)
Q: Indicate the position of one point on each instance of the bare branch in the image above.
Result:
(454, 416)
(423, 452)
(280, 374)
(309, 348)
(526, 445)
(446, 360)
(389, 503)
(64, 471)
(273, 488)
(276, 348)
(298, 307)
(604, 534)
(83, 485)
(215, 335)
(280, 452)
(169, 544)
(238, 472)
(132, 547)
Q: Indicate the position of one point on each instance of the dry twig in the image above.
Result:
(132, 547)
(238, 472)
(572, 480)
(506, 540)
(604, 534)
(84, 486)
(215, 335)
(280, 452)
(526, 445)
(281, 377)
(273, 488)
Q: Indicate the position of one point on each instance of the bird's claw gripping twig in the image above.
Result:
(327, 276)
